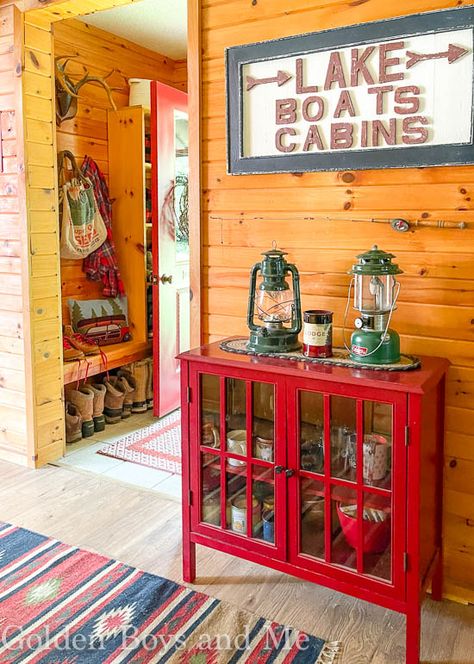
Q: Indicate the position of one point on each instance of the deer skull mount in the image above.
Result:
(67, 91)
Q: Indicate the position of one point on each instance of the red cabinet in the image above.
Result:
(331, 474)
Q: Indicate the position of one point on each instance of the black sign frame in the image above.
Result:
(355, 35)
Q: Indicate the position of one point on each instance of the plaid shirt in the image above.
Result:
(102, 264)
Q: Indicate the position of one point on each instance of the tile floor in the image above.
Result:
(83, 456)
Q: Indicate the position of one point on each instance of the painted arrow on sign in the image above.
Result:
(453, 53)
(281, 78)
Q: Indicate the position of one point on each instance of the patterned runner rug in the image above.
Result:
(156, 446)
(63, 605)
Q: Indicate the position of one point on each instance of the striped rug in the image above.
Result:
(63, 605)
(157, 445)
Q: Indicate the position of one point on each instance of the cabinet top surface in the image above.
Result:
(417, 380)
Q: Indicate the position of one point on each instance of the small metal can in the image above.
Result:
(268, 519)
(239, 514)
(264, 448)
(317, 333)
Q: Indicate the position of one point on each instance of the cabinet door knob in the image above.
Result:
(166, 279)
(289, 472)
(279, 470)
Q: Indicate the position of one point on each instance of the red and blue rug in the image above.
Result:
(157, 445)
(63, 605)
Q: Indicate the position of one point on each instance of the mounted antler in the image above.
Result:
(67, 91)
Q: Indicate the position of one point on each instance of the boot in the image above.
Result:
(114, 397)
(71, 354)
(73, 424)
(131, 385)
(80, 342)
(122, 383)
(149, 384)
(140, 372)
(99, 398)
(83, 399)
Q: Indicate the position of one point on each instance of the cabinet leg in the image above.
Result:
(413, 634)
(189, 561)
(437, 580)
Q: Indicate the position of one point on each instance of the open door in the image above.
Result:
(169, 144)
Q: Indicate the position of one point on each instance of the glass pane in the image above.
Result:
(210, 411)
(312, 517)
(263, 494)
(377, 536)
(236, 492)
(378, 422)
(311, 409)
(344, 527)
(211, 489)
(263, 434)
(343, 437)
(236, 416)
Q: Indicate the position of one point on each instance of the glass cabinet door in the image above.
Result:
(343, 483)
(238, 456)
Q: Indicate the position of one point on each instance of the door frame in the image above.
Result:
(46, 419)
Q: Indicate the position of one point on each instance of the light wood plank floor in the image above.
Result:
(140, 528)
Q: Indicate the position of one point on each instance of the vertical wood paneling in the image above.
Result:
(45, 302)
(13, 281)
(243, 214)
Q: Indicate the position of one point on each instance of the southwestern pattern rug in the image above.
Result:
(63, 605)
(155, 446)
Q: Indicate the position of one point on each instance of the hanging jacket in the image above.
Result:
(102, 264)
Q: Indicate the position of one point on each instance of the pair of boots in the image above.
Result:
(130, 391)
(142, 371)
(91, 406)
(84, 411)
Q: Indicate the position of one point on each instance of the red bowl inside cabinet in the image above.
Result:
(376, 532)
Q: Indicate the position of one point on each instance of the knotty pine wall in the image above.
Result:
(436, 311)
(100, 52)
(14, 287)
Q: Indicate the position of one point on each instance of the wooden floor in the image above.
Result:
(142, 529)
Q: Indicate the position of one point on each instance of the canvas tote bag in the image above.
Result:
(82, 228)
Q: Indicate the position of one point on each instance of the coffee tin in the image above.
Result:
(239, 514)
(317, 333)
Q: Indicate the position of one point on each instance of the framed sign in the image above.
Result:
(388, 94)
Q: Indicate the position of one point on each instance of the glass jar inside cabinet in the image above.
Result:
(210, 411)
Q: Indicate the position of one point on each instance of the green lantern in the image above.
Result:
(275, 304)
(375, 295)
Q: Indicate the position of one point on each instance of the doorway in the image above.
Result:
(184, 257)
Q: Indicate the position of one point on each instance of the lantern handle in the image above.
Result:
(251, 307)
(345, 315)
(297, 322)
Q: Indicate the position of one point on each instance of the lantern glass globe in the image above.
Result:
(274, 306)
(374, 294)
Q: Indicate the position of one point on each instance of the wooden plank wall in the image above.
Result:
(13, 281)
(33, 433)
(42, 204)
(100, 52)
(435, 314)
